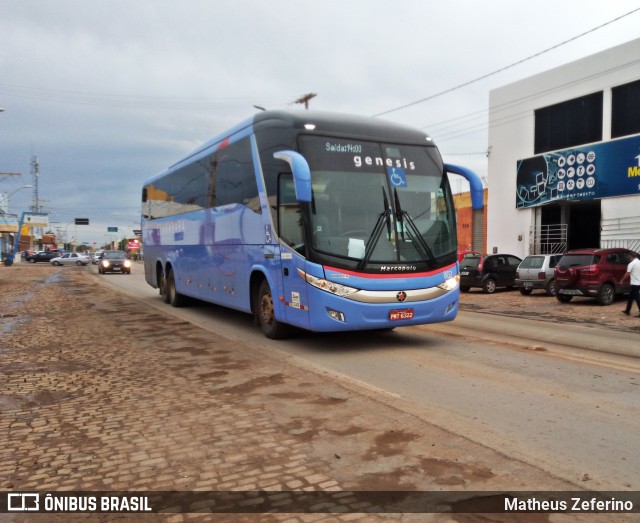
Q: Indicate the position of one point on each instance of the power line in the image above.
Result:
(447, 130)
(475, 80)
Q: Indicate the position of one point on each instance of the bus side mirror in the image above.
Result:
(301, 173)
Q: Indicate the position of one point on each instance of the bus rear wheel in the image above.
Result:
(265, 314)
(172, 295)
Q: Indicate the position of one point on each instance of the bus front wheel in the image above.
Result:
(265, 313)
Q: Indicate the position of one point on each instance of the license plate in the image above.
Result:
(571, 292)
(528, 285)
(401, 314)
(464, 273)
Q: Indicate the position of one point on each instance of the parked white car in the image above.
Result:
(71, 258)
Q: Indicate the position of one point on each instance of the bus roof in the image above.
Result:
(334, 124)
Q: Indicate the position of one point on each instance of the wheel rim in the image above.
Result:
(491, 286)
(267, 312)
(607, 295)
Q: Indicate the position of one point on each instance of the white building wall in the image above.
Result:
(511, 138)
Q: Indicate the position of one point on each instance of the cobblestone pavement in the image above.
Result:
(99, 393)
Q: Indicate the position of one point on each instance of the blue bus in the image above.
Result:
(321, 221)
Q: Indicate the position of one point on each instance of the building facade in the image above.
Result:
(564, 157)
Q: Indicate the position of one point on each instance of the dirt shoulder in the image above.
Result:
(541, 307)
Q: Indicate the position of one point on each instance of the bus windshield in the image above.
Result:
(379, 203)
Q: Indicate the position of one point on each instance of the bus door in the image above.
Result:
(291, 233)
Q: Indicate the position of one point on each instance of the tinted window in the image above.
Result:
(569, 123)
(577, 260)
(225, 177)
(625, 109)
(470, 262)
(234, 179)
(553, 261)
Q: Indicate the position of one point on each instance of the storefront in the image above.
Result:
(564, 162)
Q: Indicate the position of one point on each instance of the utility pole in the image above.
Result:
(305, 99)
(35, 173)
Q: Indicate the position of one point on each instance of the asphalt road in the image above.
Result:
(551, 395)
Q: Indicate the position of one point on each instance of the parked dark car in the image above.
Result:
(114, 261)
(537, 272)
(43, 256)
(489, 272)
(594, 273)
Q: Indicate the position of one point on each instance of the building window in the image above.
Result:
(625, 109)
(570, 123)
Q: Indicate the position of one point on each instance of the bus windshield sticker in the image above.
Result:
(397, 176)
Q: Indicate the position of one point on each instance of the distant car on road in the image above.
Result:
(594, 273)
(42, 256)
(114, 261)
(95, 257)
(537, 272)
(71, 258)
(489, 272)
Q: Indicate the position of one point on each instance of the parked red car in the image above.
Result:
(594, 273)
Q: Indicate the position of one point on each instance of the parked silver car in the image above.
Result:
(71, 258)
(536, 272)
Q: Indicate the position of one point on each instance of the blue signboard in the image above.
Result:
(590, 172)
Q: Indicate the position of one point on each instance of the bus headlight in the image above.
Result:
(326, 285)
(450, 284)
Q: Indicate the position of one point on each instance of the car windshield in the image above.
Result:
(114, 255)
(379, 203)
(578, 260)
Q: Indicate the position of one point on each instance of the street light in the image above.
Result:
(4, 201)
(19, 189)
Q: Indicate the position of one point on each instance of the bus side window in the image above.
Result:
(289, 217)
(232, 177)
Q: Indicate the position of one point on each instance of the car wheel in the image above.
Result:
(32, 260)
(57, 264)
(551, 289)
(525, 292)
(564, 298)
(606, 294)
(489, 286)
(79, 263)
(265, 313)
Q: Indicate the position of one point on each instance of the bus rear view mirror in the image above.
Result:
(301, 173)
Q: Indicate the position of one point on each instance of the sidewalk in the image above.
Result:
(539, 306)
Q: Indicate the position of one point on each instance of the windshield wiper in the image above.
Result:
(384, 216)
(414, 233)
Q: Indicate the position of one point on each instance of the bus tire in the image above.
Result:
(163, 287)
(172, 296)
(265, 314)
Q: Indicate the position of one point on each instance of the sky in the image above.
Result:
(108, 94)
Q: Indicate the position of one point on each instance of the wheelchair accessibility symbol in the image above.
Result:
(397, 176)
